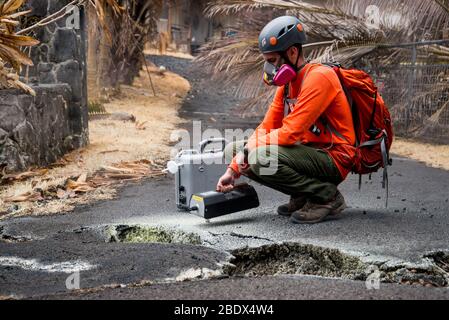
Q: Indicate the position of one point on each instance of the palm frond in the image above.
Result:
(236, 6)
(10, 6)
(337, 29)
(10, 44)
(444, 4)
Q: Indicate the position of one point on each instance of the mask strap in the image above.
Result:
(296, 63)
(284, 56)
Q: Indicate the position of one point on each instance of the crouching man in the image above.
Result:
(305, 145)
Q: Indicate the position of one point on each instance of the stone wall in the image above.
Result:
(61, 55)
(38, 130)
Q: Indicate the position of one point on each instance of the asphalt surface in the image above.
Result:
(45, 266)
(264, 288)
(38, 254)
(210, 101)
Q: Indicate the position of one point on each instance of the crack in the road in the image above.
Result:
(12, 239)
(241, 236)
(272, 259)
(441, 259)
(147, 234)
(299, 259)
(432, 276)
(295, 258)
(278, 258)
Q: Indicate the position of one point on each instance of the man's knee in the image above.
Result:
(264, 161)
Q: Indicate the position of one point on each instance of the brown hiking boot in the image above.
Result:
(295, 204)
(313, 213)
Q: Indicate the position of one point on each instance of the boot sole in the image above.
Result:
(332, 215)
(284, 214)
(336, 212)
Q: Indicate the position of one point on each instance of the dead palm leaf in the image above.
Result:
(27, 196)
(101, 8)
(337, 29)
(10, 6)
(10, 44)
(7, 178)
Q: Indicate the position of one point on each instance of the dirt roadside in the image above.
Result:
(119, 151)
(436, 156)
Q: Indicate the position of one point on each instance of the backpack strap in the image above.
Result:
(332, 129)
(287, 100)
(352, 105)
(371, 125)
(383, 147)
(385, 159)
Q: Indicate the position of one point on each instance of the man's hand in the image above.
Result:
(227, 181)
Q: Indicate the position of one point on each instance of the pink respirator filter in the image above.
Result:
(285, 75)
(278, 77)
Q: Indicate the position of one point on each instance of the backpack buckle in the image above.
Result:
(373, 133)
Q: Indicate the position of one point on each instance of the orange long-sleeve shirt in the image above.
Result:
(319, 94)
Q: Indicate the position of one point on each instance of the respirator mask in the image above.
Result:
(280, 76)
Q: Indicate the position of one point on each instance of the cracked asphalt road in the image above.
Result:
(414, 225)
(264, 288)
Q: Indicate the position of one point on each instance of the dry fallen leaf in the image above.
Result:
(28, 196)
(24, 175)
(80, 187)
(109, 175)
(113, 151)
(141, 125)
(82, 178)
(62, 194)
(130, 170)
(100, 181)
(123, 176)
(116, 170)
(83, 189)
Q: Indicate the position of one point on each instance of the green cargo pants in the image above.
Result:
(296, 171)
